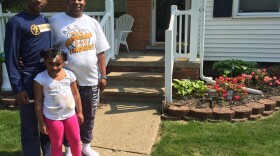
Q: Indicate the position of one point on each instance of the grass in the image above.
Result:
(258, 138)
(10, 143)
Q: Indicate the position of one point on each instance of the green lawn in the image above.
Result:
(258, 138)
(9, 133)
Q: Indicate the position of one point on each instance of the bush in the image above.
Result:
(186, 87)
(233, 68)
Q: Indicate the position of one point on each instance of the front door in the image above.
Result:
(161, 17)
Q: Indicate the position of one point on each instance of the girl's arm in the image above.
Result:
(77, 98)
(38, 93)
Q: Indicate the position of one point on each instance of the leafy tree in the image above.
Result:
(13, 5)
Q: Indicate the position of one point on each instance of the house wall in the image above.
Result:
(249, 39)
(56, 6)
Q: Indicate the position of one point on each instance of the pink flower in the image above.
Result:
(236, 98)
(270, 84)
(224, 95)
(252, 73)
(259, 70)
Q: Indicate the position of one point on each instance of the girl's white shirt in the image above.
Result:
(59, 103)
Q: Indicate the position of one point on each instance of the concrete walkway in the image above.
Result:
(126, 129)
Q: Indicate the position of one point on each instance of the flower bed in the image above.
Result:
(228, 99)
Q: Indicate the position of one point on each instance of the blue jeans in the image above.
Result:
(30, 139)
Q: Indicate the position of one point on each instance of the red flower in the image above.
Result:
(236, 98)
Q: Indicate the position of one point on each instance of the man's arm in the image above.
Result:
(102, 69)
(11, 47)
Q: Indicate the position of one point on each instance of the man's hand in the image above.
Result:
(22, 98)
(102, 84)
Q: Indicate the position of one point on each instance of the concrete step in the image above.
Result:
(141, 59)
(144, 79)
(133, 94)
(137, 62)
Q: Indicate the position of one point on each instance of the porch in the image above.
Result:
(136, 77)
(180, 61)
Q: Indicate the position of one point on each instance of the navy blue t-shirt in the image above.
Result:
(26, 35)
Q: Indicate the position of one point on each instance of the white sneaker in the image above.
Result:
(67, 151)
(88, 151)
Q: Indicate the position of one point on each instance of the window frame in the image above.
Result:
(237, 14)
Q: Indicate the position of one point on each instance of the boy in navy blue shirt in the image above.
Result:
(27, 33)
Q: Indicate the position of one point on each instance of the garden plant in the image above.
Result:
(230, 87)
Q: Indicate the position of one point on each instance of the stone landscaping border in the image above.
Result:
(250, 111)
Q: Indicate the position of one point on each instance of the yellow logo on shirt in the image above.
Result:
(37, 29)
(78, 40)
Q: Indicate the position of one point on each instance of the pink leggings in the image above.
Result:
(56, 130)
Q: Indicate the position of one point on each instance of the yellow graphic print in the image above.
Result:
(35, 30)
(78, 40)
(38, 29)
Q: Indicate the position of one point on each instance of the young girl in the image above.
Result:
(56, 96)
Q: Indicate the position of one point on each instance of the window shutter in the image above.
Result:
(222, 8)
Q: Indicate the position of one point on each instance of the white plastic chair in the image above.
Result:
(123, 28)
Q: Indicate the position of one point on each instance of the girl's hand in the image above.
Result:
(43, 128)
(80, 117)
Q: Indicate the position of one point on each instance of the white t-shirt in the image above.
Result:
(59, 103)
(82, 38)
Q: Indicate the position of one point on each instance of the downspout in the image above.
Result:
(210, 80)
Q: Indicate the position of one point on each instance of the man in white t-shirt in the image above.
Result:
(83, 39)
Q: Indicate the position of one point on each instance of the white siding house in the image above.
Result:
(244, 36)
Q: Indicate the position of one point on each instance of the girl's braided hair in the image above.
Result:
(53, 52)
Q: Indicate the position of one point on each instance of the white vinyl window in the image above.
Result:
(256, 8)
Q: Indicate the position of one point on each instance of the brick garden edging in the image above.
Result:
(250, 111)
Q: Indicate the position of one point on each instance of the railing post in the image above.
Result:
(173, 9)
(1, 30)
(168, 65)
(6, 86)
(109, 7)
(194, 30)
(170, 51)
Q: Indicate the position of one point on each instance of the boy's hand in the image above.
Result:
(80, 117)
(22, 98)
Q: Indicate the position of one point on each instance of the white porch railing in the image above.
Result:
(174, 42)
(105, 18)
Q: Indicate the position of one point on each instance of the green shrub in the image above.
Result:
(233, 68)
(186, 87)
